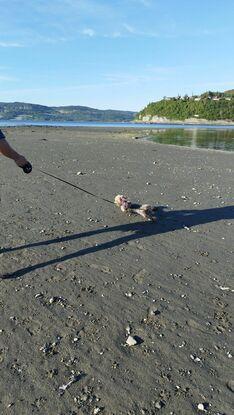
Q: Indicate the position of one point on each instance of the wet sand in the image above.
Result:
(82, 276)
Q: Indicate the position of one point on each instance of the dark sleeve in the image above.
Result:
(1, 135)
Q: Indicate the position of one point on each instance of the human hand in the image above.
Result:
(22, 162)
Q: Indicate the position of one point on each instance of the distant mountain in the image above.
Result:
(209, 106)
(34, 112)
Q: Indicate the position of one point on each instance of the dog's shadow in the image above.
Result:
(168, 221)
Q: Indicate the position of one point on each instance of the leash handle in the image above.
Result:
(27, 168)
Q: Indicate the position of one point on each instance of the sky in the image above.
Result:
(118, 54)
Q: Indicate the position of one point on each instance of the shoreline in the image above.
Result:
(131, 124)
(134, 133)
(190, 121)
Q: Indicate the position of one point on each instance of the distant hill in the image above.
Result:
(34, 112)
(229, 92)
(209, 106)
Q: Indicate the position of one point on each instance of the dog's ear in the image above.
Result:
(118, 200)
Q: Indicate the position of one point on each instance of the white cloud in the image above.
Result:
(10, 45)
(88, 32)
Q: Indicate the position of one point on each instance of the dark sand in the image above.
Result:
(81, 274)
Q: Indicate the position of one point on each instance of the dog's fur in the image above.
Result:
(146, 211)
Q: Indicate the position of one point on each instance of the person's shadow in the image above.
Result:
(168, 221)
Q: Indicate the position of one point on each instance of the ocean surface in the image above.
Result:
(216, 137)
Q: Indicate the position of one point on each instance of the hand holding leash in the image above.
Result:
(24, 164)
(27, 168)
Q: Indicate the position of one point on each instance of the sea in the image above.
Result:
(215, 137)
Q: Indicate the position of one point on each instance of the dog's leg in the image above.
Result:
(141, 213)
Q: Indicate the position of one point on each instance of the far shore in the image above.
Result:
(124, 124)
(189, 121)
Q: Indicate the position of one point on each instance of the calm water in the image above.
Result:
(216, 139)
(195, 136)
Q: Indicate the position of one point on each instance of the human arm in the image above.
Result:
(9, 152)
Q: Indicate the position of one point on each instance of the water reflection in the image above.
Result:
(216, 139)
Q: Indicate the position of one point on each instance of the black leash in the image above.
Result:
(73, 185)
(27, 168)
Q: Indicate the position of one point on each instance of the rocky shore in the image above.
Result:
(148, 119)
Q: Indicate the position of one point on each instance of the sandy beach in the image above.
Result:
(79, 277)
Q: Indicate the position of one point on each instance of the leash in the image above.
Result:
(74, 185)
(27, 168)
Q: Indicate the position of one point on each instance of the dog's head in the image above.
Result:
(122, 202)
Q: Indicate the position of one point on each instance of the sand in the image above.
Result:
(82, 277)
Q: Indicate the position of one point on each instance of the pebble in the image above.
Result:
(96, 410)
(224, 288)
(38, 295)
(159, 405)
(153, 312)
(131, 341)
(128, 330)
(195, 358)
(203, 406)
(129, 295)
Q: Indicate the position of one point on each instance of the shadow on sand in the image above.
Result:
(169, 221)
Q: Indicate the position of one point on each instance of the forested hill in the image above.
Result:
(212, 106)
(33, 112)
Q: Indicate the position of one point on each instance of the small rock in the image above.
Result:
(128, 330)
(195, 358)
(134, 340)
(129, 295)
(159, 405)
(131, 341)
(153, 312)
(96, 410)
(38, 295)
(203, 406)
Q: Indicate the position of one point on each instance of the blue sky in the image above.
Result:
(119, 54)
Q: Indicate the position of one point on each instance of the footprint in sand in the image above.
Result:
(140, 276)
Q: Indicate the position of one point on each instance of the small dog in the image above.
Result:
(146, 211)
